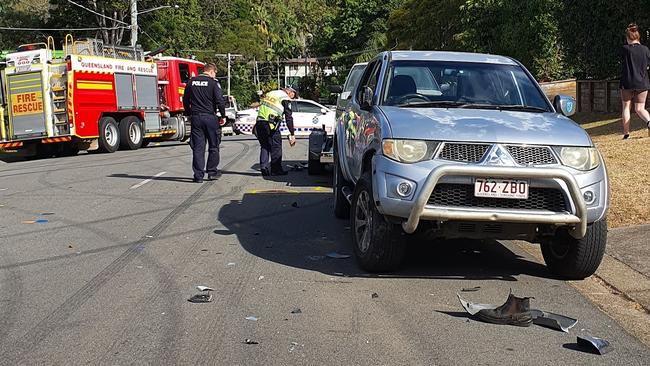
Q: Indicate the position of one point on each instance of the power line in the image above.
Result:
(60, 29)
(96, 13)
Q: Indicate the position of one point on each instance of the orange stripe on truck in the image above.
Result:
(9, 145)
(56, 139)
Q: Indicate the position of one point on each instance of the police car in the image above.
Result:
(307, 115)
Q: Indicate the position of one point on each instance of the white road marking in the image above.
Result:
(135, 186)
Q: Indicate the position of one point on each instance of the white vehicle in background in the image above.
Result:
(229, 128)
(307, 115)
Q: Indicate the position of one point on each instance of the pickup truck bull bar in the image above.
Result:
(422, 210)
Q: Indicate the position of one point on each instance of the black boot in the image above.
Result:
(515, 311)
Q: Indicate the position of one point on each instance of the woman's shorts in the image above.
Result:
(634, 95)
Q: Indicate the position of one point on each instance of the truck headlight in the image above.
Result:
(408, 151)
(581, 158)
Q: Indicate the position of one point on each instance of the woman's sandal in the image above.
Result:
(626, 136)
(648, 128)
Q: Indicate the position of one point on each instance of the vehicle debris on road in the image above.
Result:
(250, 341)
(335, 255)
(470, 289)
(552, 320)
(296, 311)
(593, 344)
(252, 318)
(204, 296)
(374, 295)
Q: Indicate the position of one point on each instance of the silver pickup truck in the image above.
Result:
(462, 145)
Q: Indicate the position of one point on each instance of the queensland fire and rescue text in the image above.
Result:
(26, 103)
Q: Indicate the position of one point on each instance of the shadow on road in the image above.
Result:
(142, 177)
(297, 228)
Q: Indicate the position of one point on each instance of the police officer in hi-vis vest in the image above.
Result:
(201, 100)
(274, 105)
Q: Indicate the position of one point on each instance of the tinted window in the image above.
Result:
(353, 78)
(184, 72)
(370, 77)
(469, 83)
(306, 107)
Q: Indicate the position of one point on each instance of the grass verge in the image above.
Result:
(628, 163)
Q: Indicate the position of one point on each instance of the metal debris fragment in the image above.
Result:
(552, 320)
(252, 318)
(296, 311)
(250, 341)
(594, 344)
(374, 295)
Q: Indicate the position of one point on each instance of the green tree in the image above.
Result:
(527, 31)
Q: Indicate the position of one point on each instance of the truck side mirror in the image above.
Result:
(366, 98)
(565, 105)
(323, 111)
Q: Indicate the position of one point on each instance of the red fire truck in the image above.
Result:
(91, 96)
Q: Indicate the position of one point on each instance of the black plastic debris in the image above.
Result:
(205, 295)
(201, 298)
(552, 320)
(295, 204)
(296, 311)
(250, 341)
(593, 345)
(470, 289)
(374, 295)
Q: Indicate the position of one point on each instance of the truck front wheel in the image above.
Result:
(379, 245)
(131, 133)
(576, 259)
(109, 137)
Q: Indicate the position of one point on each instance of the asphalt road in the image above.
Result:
(106, 280)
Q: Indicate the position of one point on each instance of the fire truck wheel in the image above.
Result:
(130, 133)
(109, 137)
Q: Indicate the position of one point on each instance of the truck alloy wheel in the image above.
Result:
(379, 245)
(363, 221)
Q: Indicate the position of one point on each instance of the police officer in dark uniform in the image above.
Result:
(201, 100)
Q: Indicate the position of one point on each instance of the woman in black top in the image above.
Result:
(635, 59)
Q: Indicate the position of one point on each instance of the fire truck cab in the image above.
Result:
(91, 96)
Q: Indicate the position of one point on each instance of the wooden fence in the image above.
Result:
(599, 96)
(565, 87)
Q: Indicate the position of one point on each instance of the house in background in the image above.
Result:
(297, 68)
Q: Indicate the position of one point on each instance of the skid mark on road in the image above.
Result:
(138, 185)
(38, 333)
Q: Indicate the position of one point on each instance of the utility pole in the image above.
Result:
(134, 23)
(228, 73)
(278, 73)
(229, 56)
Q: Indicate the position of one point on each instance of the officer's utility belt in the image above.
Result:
(273, 121)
